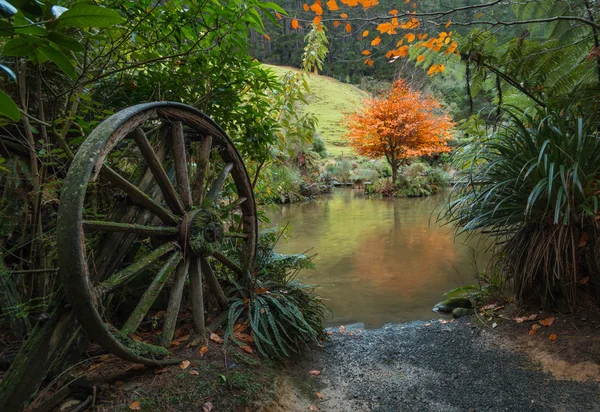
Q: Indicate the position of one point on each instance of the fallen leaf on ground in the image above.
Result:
(136, 338)
(350, 333)
(246, 348)
(319, 395)
(358, 330)
(313, 408)
(534, 329)
(494, 325)
(195, 373)
(522, 319)
(553, 337)
(548, 321)
(207, 407)
(136, 367)
(216, 338)
(159, 371)
(329, 332)
(183, 338)
(443, 322)
(135, 406)
(203, 350)
(314, 372)
(342, 329)
(184, 364)
(160, 314)
(428, 324)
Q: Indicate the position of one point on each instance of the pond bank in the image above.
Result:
(430, 366)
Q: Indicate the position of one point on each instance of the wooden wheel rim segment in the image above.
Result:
(177, 217)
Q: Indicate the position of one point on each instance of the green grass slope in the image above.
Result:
(328, 101)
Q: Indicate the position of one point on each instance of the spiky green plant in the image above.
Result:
(283, 314)
(533, 185)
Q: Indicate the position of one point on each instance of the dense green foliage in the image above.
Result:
(534, 185)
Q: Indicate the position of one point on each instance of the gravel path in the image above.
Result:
(440, 367)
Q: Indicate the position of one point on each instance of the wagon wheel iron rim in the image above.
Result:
(183, 194)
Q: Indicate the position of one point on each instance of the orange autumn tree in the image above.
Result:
(402, 124)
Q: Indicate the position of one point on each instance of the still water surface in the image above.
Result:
(378, 260)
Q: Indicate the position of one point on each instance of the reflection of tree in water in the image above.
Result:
(409, 258)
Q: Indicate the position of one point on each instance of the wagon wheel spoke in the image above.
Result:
(174, 302)
(138, 195)
(181, 165)
(213, 283)
(99, 225)
(158, 171)
(202, 165)
(151, 294)
(218, 184)
(197, 297)
(126, 275)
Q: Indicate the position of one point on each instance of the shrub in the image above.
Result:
(534, 186)
(283, 314)
(319, 146)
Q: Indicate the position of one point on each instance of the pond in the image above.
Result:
(378, 260)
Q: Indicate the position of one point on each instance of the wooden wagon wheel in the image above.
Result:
(184, 200)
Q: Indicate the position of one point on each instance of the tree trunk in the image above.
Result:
(394, 172)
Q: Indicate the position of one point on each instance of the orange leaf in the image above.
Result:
(448, 23)
(194, 372)
(317, 20)
(135, 406)
(317, 8)
(246, 348)
(305, 7)
(420, 58)
(319, 395)
(348, 28)
(344, 16)
(553, 337)
(160, 314)
(216, 338)
(479, 15)
(329, 332)
(278, 16)
(366, 52)
(547, 322)
(365, 33)
(393, 12)
(314, 372)
(584, 239)
(336, 23)
(376, 41)
(184, 364)
(532, 332)
(410, 37)
(342, 329)
(332, 5)
(203, 350)
(295, 24)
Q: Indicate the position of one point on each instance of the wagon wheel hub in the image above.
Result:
(201, 232)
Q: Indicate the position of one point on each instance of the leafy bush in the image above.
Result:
(319, 146)
(283, 314)
(534, 186)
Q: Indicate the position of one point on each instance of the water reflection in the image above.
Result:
(379, 260)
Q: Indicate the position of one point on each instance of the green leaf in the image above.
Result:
(7, 9)
(65, 41)
(269, 5)
(8, 108)
(31, 28)
(89, 16)
(6, 29)
(60, 59)
(19, 46)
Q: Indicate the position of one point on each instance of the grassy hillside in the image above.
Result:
(330, 99)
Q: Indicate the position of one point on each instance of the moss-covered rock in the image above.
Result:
(449, 305)
(460, 312)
